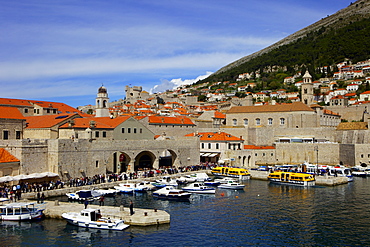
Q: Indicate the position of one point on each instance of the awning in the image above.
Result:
(213, 154)
(30, 176)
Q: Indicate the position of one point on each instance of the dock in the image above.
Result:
(141, 217)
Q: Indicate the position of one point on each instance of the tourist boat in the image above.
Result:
(199, 188)
(92, 218)
(83, 195)
(147, 184)
(292, 178)
(131, 187)
(341, 171)
(21, 211)
(170, 192)
(359, 172)
(232, 185)
(234, 172)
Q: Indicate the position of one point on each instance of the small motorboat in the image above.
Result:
(147, 184)
(212, 183)
(83, 195)
(165, 181)
(170, 192)
(124, 188)
(199, 188)
(184, 180)
(92, 218)
(224, 180)
(21, 211)
(106, 192)
(232, 185)
(199, 177)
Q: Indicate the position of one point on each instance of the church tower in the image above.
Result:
(102, 103)
(307, 89)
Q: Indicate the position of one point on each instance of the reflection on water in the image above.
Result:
(261, 214)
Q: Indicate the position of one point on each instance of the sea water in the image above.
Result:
(260, 215)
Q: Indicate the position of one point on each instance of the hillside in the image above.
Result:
(350, 26)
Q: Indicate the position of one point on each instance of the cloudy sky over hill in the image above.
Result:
(64, 50)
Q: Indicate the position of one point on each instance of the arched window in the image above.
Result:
(269, 121)
(234, 122)
(258, 121)
(282, 121)
(245, 121)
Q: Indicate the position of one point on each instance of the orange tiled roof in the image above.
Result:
(46, 121)
(179, 120)
(10, 113)
(296, 106)
(100, 122)
(258, 147)
(219, 115)
(6, 157)
(215, 136)
(14, 102)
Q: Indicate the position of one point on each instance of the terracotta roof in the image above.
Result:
(352, 126)
(14, 102)
(6, 157)
(100, 122)
(296, 106)
(258, 147)
(178, 120)
(215, 136)
(219, 115)
(10, 113)
(46, 121)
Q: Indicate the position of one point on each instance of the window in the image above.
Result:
(129, 130)
(235, 122)
(134, 130)
(123, 130)
(141, 130)
(258, 121)
(269, 121)
(209, 145)
(18, 135)
(245, 121)
(5, 135)
(217, 146)
(202, 145)
(97, 163)
(55, 111)
(26, 110)
(104, 134)
(97, 134)
(47, 110)
(282, 121)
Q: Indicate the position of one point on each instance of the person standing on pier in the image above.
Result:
(101, 200)
(131, 208)
(86, 202)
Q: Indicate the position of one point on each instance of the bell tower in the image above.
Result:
(102, 103)
(307, 89)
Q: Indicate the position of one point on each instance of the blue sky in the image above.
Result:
(64, 50)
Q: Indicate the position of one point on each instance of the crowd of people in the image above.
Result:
(14, 192)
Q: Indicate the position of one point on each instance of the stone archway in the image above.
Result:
(144, 161)
(167, 158)
(123, 163)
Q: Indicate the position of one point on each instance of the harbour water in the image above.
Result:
(261, 214)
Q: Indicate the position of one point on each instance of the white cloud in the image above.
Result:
(174, 83)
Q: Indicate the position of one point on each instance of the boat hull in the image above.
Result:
(103, 225)
(232, 187)
(296, 183)
(23, 217)
(204, 191)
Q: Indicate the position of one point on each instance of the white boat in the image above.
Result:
(165, 181)
(170, 192)
(91, 218)
(224, 180)
(232, 185)
(106, 192)
(83, 195)
(199, 188)
(147, 184)
(199, 177)
(21, 211)
(131, 187)
(185, 180)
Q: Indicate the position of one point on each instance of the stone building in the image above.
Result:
(12, 123)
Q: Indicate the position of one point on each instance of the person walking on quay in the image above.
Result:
(42, 197)
(131, 208)
(86, 202)
(38, 195)
(101, 200)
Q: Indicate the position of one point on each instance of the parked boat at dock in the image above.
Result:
(234, 172)
(171, 193)
(291, 178)
(232, 185)
(165, 181)
(21, 211)
(92, 218)
(199, 188)
(82, 195)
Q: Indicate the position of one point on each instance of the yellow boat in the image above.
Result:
(239, 173)
(293, 178)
